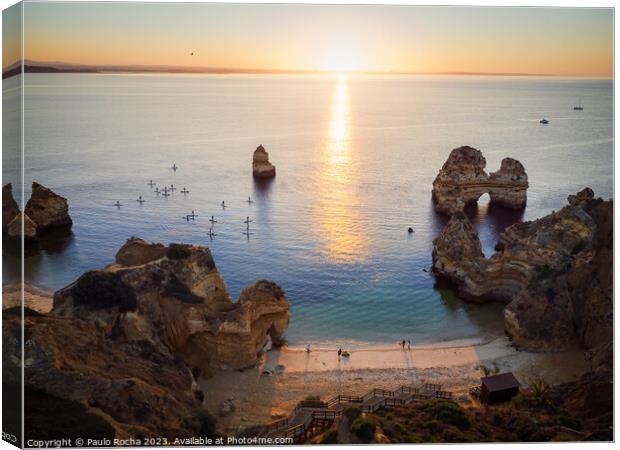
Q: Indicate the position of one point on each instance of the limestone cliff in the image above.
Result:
(462, 180)
(554, 273)
(129, 340)
(261, 167)
(177, 297)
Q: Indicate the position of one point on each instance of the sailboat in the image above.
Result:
(578, 108)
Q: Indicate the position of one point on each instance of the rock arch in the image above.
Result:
(463, 180)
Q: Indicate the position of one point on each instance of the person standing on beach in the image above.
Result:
(408, 344)
(403, 344)
(339, 353)
(308, 349)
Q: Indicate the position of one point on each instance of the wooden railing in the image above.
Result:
(344, 399)
(322, 410)
(278, 424)
(443, 394)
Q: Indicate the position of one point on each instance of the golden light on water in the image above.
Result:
(338, 143)
(338, 209)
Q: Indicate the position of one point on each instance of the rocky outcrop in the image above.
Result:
(128, 341)
(179, 299)
(47, 209)
(14, 229)
(44, 211)
(261, 167)
(462, 180)
(136, 252)
(554, 273)
(10, 208)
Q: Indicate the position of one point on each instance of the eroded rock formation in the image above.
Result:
(176, 295)
(462, 180)
(261, 167)
(554, 273)
(47, 209)
(44, 211)
(129, 340)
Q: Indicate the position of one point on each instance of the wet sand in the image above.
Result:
(260, 398)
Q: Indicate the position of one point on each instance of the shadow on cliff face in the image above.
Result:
(438, 220)
(485, 216)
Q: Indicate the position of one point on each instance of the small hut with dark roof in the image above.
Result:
(498, 388)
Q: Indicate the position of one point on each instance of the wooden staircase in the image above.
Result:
(310, 415)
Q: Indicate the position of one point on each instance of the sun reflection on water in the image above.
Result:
(338, 209)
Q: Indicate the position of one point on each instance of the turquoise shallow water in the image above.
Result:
(355, 161)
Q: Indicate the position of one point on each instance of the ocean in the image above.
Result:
(355, 159)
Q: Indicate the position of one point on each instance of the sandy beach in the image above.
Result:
(260, 398)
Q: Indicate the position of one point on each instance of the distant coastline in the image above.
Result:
(62, 67)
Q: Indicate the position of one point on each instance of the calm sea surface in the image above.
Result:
(355, 160)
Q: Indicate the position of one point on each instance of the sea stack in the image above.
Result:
(44, 211)
(462, 180)
(47, 209)
(261, 167)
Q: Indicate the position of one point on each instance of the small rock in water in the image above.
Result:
(410, 230)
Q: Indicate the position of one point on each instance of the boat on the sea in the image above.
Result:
(578, 108)
(544, 121)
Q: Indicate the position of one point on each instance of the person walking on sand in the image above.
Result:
(339, 353)
(403, 344)
(408, 344)
(308, 349)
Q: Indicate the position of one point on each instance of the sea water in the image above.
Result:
(355, 158)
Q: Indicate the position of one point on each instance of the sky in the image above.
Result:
(558, 41)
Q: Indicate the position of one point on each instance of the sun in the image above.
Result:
(342, 60)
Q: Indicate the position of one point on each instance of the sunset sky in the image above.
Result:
(574, 42)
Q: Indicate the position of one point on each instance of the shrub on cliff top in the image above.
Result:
(364, 428)
(178, 251)
(331, 437)
(352, 412)
(103, 290)
(449, 412)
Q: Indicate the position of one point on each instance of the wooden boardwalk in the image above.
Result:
(312, 414)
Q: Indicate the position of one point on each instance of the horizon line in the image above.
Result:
(67, 67)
